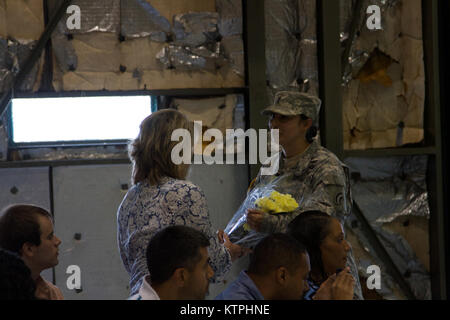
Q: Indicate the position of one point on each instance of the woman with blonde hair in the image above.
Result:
(161, 197)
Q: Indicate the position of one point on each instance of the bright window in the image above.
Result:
(78, 119)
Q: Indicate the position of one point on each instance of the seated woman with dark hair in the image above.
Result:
(161, 197)
(325, 242)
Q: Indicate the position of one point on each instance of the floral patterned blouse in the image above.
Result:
(147, 209)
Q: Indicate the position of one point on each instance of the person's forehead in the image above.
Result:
(45, 224)
(204, 253)
(335, 227)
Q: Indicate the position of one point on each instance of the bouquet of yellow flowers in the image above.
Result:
(275, 203)
(263, 198)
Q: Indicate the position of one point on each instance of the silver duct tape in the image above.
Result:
(384, 190)
(230, 21)
(282, 45)
(308, 76)
(6, 78)
(195, 29)
(96, 16)
(357, 58)
(15, 54)
(404, 258)
(356, 62)
(291, 45)
(385, 167)
(406, 261)
(282, 61)
(140, 19)
(187, 59)
(63, 49)
(388, 188)
(343, 36)
(413, 168)
(211, 51)
(384, 201)
(418, 206)
(305, 42)
(307, 19)
(196, 22)
(389, 288)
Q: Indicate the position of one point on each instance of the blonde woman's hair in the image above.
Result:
(151, 151)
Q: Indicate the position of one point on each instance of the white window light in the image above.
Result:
(78, 119)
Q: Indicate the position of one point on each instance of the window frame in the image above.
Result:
(72, 143)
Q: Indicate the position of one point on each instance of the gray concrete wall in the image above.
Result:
(26, 185)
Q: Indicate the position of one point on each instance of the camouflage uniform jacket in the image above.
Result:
(318, 181)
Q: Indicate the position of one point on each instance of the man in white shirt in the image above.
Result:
(178, 263)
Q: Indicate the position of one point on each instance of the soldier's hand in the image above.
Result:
(254, 219)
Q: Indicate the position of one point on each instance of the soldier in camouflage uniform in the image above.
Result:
(313, 175)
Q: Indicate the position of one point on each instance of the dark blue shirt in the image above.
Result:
(312, 290)
(243, 288)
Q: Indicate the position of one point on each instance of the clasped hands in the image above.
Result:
(337, 287)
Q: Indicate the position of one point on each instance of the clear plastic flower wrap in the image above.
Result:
(264, 198)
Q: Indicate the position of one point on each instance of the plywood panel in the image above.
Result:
(25, 19)
(3, 31)
(97, 52)
(169, 8)
(150, 80)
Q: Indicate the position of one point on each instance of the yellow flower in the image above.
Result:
(276, 203)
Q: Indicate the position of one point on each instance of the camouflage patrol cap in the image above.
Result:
(290, 103)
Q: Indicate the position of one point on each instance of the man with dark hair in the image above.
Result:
(15, 278)
(278, 270)
(28, 231)
(178, 263)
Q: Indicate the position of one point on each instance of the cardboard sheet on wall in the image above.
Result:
(73, 81)
(140, 54)
(169, 79)
(149, 80)
(97, 52)
(214, 113)
(384, 103)
(24, 19)
(3, 31)
(169, 8)
(105, 63)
